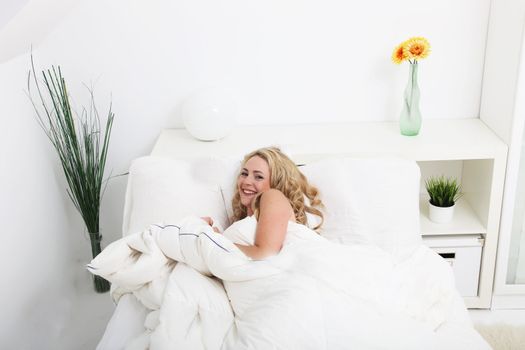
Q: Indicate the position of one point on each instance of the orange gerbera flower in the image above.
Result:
(416, 48)
(413, 49)
(398, 55)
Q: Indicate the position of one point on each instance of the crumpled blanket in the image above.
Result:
(154, 265)
(204, 293)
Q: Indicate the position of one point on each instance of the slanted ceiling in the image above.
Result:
(9, 9)
(26, 23)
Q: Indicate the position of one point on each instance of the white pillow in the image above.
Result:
(166, 190)
(369, 200)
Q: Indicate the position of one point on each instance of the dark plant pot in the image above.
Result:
(101, 284)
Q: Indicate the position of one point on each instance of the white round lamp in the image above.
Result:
(209, 114)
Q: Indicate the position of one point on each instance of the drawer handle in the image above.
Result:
(448, 255)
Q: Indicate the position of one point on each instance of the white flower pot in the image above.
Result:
(440, 215)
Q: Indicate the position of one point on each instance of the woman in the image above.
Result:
(272, 198)
(271, 187)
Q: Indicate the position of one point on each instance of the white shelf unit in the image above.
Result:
(465, 221)
(476, 217)
(465, 148)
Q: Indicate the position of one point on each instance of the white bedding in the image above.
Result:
(315, 294)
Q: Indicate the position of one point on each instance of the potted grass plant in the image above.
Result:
(444, 193)
(81, 144)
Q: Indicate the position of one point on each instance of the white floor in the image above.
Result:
(511, 317)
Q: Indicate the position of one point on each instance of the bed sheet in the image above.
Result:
(125, 325)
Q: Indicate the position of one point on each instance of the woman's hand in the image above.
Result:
(209, 221)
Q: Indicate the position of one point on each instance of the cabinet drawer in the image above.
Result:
(463, 253)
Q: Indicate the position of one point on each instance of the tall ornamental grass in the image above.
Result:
(81, 145)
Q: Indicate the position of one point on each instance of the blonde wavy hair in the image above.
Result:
(286, 177)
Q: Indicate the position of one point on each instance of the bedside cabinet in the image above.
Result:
(463, 253)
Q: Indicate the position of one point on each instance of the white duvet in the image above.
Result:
(314, 294)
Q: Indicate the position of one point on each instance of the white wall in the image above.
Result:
(37, 235)
(289, 62)
(293, 62)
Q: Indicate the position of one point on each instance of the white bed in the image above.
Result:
(370, 204)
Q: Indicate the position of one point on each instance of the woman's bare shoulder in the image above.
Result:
(274, 194)
(275, 201)
(273, 197)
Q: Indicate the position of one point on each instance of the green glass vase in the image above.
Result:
(410, 118)
(101, 284)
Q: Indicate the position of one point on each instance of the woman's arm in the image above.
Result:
(274, 213)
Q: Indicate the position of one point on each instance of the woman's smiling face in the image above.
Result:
(253, 179)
